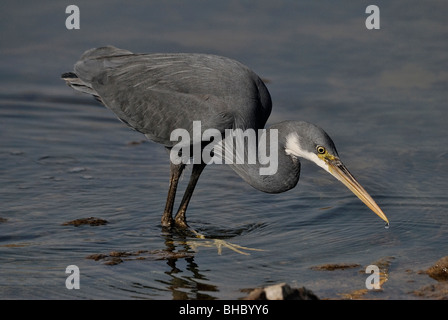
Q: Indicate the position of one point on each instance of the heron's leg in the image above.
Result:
(180, 219)
(175, 172)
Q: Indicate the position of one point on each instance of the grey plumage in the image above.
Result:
(158, 93)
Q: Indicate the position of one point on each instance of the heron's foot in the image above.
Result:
(168, 222)
(218, 243)
(180, 223)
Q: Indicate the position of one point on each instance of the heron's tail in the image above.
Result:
(76, 83)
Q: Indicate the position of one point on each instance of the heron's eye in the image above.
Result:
(320, 149)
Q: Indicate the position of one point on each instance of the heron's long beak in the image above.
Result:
(340, 172)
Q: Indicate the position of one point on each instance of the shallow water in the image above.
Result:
(380, 94)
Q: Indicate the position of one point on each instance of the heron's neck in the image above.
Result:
(274, 171)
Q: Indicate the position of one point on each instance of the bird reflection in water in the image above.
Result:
(184, 287)
(179, 245)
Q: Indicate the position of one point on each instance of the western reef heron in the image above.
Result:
(157, 93)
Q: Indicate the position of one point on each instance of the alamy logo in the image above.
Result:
(373, 20)
(234, 147)
(72, 281)
(373, 280)
(72, 21)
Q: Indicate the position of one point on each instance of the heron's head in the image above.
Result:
(308, 141)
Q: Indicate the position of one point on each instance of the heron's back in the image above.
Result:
(157, 93)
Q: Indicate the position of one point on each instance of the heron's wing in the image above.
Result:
(157, 93)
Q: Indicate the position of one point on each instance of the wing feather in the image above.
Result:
(157, 93)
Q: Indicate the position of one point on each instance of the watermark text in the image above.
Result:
(236, 146)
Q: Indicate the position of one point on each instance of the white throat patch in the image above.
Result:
(293, 147)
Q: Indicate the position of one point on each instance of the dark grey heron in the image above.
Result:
(157, 93)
